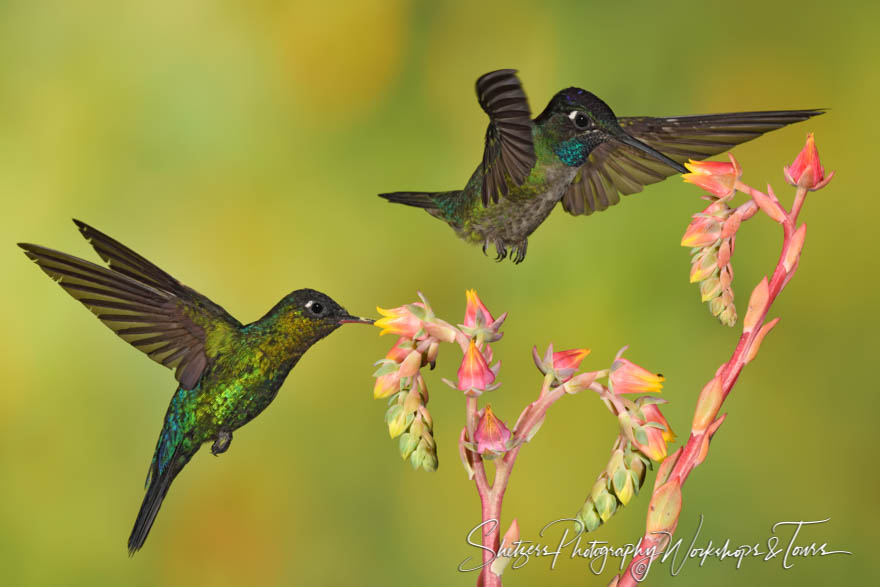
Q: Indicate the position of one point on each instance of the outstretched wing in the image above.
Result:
(614, 168)
(509, 149)
(145, 306)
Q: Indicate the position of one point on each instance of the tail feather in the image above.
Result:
(160, 482)
(417, 199)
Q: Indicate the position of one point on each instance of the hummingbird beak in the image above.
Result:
(624, 138)
(349, 319)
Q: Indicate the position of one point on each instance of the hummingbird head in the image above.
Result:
(313, 312)
(578, 121)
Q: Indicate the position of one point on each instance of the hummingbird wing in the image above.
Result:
(509, 151)
(614, 168)
(145, 306)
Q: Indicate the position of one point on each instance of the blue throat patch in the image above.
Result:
(572, 152)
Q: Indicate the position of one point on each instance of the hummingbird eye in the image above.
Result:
(579, 119)
(316, 308)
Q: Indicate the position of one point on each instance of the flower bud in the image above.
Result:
(474, 373)
(411, 364)
(387, 384)
(475, 311)
(400, 350)
(701, 232)
(806, 171)
(491, 435)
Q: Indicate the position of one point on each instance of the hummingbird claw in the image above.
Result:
(221, 444)
(520, 252)
(501, 251)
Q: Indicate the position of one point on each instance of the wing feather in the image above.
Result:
(142, 304)
(509, 153)
(613, 168)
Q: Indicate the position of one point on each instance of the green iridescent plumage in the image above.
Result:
(576, 152)
(228, 372)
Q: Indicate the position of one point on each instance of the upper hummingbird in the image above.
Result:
(577, 151)
(227, 372)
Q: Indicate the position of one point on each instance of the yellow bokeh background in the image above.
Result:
(240, 147)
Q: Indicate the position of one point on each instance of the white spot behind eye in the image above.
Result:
(309, 303)
(573, 113)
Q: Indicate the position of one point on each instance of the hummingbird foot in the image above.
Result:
(224, 439)
(501, 250)
(519, 251)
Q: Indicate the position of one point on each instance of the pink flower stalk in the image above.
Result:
(491, 435)
(655, 448)
(474, 373)
(627, 377)
(806, 171)
(440, 330)
(475, 305)
(716, 177)
(580, 382)
(400, 321)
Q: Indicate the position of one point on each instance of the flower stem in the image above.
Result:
(694, 451)
(799, 198)
(492, 494)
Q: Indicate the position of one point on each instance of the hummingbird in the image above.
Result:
(227, 372)
(576, 151)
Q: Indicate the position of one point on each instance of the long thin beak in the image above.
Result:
(356, 320)
(637, 144)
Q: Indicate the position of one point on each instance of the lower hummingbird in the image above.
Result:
(576, 151)
(227, 372)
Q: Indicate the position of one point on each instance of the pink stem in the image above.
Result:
(690, 455)
(799, 198)
(492, 495)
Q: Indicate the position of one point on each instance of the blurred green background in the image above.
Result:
(240, 145)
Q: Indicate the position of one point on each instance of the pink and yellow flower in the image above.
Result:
(474, 305)
(387, 385)
(627, 377)
(474, 372)
(566, 363)
(398, 353)
(570, 359)
(491, 435)
(701, 232)
(400, 321)
(657, 439)
(716, 177)
(806, 170)
(563, 364)
(653, 414)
